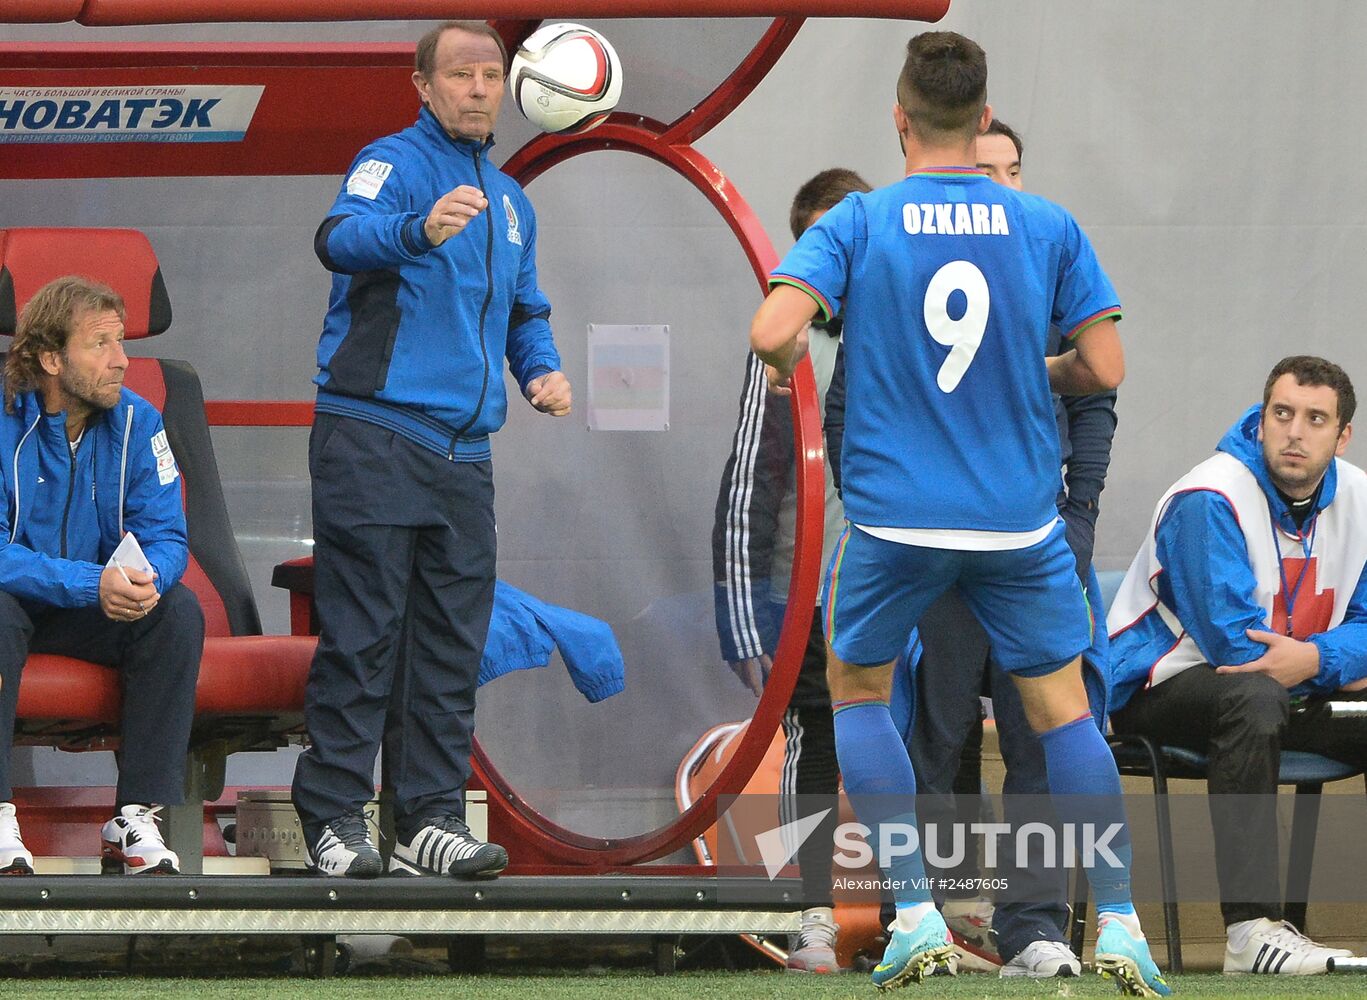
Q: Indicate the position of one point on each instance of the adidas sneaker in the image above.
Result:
(344, 848)
(445, 846)
(1276, 948)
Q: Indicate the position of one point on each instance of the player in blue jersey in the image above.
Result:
(948, 283)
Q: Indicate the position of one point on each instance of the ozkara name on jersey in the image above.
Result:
(955, 219)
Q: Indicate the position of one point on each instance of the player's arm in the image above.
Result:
(1095, 364)
(833, 427)
(778, 331)
(1091, 428)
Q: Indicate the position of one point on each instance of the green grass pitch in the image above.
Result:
(682, 986)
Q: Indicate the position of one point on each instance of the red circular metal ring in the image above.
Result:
(653, 140)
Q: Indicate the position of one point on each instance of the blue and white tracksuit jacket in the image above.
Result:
(65, 513)
(1223, 555)
(414, 333)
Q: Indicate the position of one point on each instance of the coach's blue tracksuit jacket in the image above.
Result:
(414, 333)
(65, 514)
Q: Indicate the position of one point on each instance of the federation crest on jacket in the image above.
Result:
(514, 234)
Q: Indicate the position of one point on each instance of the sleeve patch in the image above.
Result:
(166, 462)
(367, 179)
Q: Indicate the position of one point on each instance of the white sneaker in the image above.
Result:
(132, 844)
(344, 848)
(1275, 947)
(1043, 960)
(813, 949)
(970, 922)
(445, 846)
(14, 856)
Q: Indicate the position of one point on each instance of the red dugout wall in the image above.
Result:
(286, 134)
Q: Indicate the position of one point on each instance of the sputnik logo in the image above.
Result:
(778, 846)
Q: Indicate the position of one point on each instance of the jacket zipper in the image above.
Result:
(70, 489)
(483, 311)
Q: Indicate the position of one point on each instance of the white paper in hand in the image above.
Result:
(129, 555)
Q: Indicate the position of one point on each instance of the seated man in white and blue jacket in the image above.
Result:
(1249, 597)
(85, 461)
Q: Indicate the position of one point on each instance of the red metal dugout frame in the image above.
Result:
(114, 12)
(288, 141)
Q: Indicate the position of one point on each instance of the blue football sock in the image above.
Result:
(882, 789)
(1085, 788)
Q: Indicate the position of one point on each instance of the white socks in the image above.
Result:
(910, 917)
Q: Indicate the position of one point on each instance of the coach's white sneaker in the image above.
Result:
(445, 846)
(14, 856)
(344, 848)
(132, 844)
(1276, 948)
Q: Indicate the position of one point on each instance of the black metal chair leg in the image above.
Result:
(1078, 918)
(1304, 825)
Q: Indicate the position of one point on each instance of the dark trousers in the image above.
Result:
(157, 657)
(810, 777)
(1241, 722)
(404, 564)
(955, 667)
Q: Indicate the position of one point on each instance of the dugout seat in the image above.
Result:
(250, 693)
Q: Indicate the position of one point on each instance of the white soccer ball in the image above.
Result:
(566, 78)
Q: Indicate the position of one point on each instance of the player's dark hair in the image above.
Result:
(943, 85)
(824, 191)
(1310, 370)
(425, 58)
(999, 127)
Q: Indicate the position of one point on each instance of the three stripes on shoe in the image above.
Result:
(437, 850)
(1270, 959)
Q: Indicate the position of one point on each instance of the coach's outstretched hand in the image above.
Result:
(550, 393)
(453, 212)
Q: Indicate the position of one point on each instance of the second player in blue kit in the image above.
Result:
(948, 284)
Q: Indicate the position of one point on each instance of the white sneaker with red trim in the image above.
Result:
(132, 844)
(15, 858)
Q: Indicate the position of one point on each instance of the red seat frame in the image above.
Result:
(250, 692)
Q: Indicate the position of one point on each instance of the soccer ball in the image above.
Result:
(566, 78)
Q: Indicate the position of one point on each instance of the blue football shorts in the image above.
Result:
(1029, 601)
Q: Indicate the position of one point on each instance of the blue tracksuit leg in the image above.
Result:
(158, 661)
(404, 577)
